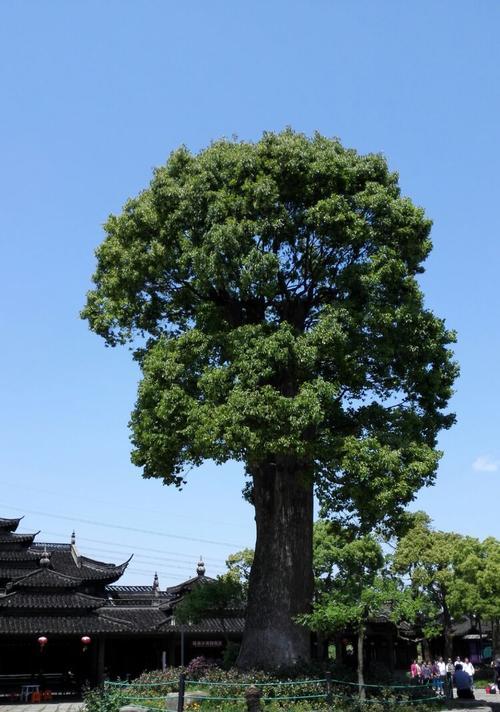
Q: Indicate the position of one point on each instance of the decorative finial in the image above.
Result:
(200, 569)
(73, 538)
(45, 558)
(156, 585)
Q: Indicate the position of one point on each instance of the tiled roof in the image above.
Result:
(186, 586)
(19, 555)
(11, 574)
(63, 558)
(464, 627)
(97, 571)
(37, 601)
(9, 525)
(51, 546)
(72, 625)
(207, 625)
(144, 620)
(127, 590)
(45, 578)
(135, 595)
(11, 538)
(45, 584)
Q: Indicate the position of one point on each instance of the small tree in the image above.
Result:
(478, 591)
(239, 566)
(351, 585)
(271, 292)
(441, 567)
(488, 581)
(214, 598)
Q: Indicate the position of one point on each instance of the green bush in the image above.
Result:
(150, 689)
(99, 700)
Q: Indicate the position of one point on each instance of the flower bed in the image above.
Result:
(225, 690)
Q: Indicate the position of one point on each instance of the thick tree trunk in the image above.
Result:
(361, 663)
(448, 643)
(448, 632)
(495, 638)
(426, 649)
(281, 579)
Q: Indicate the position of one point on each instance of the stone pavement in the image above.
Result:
(482, 703)
(44, 707)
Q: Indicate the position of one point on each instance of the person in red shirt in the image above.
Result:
(416, 672)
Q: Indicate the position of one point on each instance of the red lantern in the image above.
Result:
(85, 641)
(42, 641)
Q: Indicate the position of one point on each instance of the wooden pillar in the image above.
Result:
(339, 656)
(171, 651)
(100, 658)
(392, 652)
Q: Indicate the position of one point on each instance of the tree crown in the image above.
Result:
(272, 288)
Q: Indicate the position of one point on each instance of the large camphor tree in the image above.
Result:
(270, 292)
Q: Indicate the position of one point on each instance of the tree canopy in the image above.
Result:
(452, 575)
(270, 293)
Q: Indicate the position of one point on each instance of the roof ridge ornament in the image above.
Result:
(45, 558)
(200, 568)
(73, 538)
(156, 590)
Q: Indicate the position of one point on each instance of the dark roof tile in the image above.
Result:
(45, 578)
(10, 524)
(61, 625)
(186, 586)
(234, 624)
(141, 620)
(36, 601)
(12, 538)
(12, 574)
(19, 555)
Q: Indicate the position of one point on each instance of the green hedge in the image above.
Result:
(226, 688)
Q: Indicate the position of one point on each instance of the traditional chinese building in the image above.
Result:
(50, 592)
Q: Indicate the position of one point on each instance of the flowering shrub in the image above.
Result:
(226, 688)
(199, 667)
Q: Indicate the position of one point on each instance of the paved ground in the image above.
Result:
(44, 707)
(482, 703)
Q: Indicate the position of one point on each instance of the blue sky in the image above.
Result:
(94, 95)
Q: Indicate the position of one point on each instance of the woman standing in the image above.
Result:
(415, 672)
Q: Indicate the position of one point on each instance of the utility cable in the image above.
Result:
(124, 528)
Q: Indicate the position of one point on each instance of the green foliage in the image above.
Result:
(479, 568)
(270, 292)
(230, 654)
(211, 598)
(99, 700)
(239, 565)
(352, 582)
(153, 686)
(450, 575)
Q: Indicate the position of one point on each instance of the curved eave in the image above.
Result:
(8, 537)
(107, 575)
(10, 524)
(188, 585)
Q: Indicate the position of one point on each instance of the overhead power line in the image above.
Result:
(186, 557)
(124, 528)
(143, 572)
(148, 510)
(151, 560)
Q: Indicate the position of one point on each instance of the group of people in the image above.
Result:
(459, 674)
